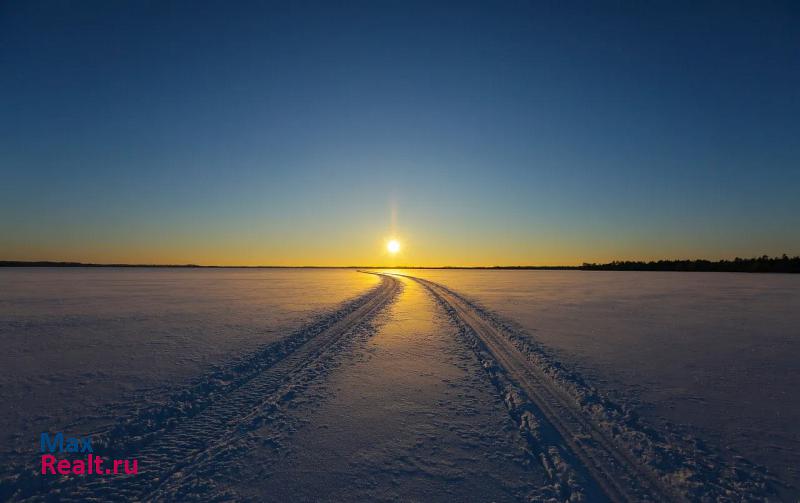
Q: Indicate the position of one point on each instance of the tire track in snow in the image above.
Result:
(170, 454)
(620, 476)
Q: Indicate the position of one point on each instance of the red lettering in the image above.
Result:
(63, 467)
(47, 464)
(135, 467)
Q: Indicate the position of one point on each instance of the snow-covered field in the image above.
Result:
(334, 385)
(718, 353)
(75, 341)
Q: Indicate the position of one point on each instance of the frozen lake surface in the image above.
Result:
(76, 340)
(245, 383)
(717, 352)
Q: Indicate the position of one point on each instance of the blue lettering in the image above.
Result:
(58, 442)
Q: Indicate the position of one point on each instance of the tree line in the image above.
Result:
(763, 263)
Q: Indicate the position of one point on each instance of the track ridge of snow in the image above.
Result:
(170, 440)
(582, 438)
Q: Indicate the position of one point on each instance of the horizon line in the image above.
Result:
(57, 263)
(583, 266)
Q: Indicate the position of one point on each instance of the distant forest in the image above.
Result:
(758, 264)
(783, 264)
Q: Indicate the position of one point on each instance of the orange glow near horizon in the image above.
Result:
(362, 244)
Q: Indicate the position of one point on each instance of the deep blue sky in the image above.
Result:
(496, 132)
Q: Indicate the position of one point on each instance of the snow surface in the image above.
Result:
(715, 353)
(406, 414)
(270, 385)
(77, 341)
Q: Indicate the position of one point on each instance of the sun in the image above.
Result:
(393, 246)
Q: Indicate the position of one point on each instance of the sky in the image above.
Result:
(488, 133)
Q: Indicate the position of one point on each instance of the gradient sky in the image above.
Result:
(478, 133)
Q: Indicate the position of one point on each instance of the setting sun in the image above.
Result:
(393, 246)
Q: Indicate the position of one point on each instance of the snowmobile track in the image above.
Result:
(171, 455)
(620, 476)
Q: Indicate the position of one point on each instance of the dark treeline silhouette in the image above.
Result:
(783, 264)
(758, 264)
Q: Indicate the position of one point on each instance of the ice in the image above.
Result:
(332, 384)
(406, 415)
(76, 341)
(714, 352)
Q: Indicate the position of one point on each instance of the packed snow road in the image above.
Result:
(407, 415)
(409, 392)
